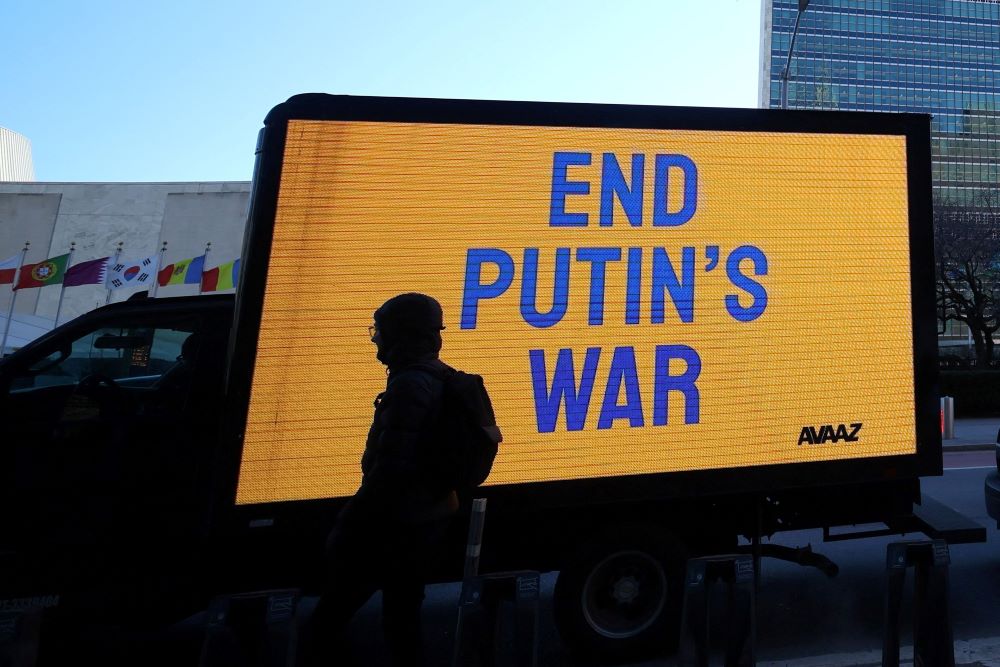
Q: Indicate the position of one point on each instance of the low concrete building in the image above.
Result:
(99, 216)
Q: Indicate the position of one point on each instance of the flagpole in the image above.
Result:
(204, 263)
(62, 283)
(159, 267)
(13, 297)
(118, 254)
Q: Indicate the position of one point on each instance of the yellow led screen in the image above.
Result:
(638, 301)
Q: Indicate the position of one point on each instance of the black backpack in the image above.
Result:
(465, 437)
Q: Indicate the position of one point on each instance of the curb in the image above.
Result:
(968, 448)
(971, 653)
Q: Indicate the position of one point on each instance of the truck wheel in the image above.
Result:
(621, 598)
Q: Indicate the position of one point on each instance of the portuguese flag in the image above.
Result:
(46, 272)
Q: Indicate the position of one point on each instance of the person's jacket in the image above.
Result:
(397, 482)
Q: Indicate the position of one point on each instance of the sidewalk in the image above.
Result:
(968, 653)
(974, 433)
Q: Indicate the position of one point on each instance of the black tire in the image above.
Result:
(620, 598)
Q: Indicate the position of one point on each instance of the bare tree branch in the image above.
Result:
(967, 254)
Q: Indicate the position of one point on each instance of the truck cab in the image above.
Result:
(111, 421)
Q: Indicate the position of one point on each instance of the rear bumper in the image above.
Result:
(993, 495)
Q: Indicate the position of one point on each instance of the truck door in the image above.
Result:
(106, 432)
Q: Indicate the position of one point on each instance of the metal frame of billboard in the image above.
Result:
(915, 127)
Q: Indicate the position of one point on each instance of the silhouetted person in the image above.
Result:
(387, 532)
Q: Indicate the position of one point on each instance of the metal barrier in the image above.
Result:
(932, 635)
(251, 630)
(737, 573)
(497, 613)
(20, 637)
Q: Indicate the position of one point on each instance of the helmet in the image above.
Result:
(409, 313)
(409, 328)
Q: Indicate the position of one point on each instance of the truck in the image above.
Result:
(696, 326)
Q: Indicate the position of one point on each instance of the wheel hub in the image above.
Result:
(624, 594)
(626, 590)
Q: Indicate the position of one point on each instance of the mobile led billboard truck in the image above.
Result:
(693, 323)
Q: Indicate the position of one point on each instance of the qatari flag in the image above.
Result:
(86, 273)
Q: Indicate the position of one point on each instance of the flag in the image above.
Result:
(87, 273)
(46, 272)
(224, 276)
(184, 272)
(8, 268)
(163, 276)
(129, 272)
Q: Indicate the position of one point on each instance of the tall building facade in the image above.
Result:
(929, 56)
(15, 157)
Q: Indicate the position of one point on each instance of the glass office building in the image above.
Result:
(931, 56)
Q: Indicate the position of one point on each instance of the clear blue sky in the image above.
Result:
(176, 91)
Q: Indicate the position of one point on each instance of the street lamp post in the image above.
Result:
(788, 59)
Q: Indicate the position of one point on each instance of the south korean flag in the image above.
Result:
(132, 273)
